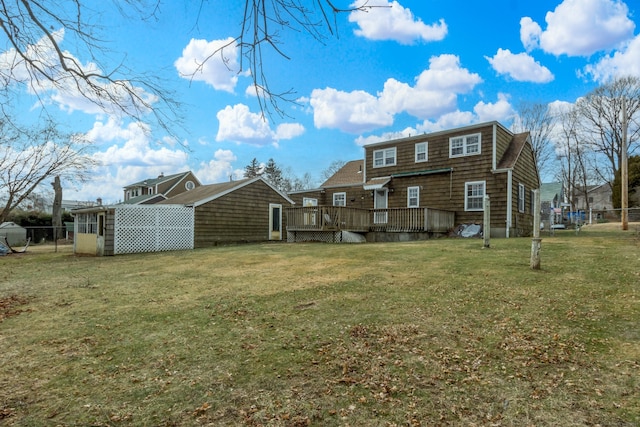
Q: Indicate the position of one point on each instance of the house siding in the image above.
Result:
(442, 179)
(356, 196)
(446, 190)
(240, 216)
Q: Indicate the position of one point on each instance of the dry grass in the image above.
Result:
(422, 333)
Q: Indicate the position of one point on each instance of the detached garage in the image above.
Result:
(248, 210)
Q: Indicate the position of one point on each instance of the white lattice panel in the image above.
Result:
(155, 228)
(324, 236)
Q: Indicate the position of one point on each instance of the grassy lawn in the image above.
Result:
(440, 332)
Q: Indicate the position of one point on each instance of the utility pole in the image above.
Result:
(624, 170)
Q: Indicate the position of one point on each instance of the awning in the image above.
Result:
(376, 183)
(421, 172)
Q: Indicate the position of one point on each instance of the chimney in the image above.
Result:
(161, 175)
(99, 201)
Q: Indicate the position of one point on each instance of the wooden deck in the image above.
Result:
(395, 220)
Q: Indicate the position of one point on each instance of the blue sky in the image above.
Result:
(412, 67)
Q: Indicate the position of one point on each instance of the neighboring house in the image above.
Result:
(407, 184)
(599, 198)
(551, 200)
(155, 190)
(248, 210)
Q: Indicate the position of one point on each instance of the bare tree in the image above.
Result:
(263, 22)
(601, 120)
(34, 32)
(333, 167)
(29, 157)
(536, 119)
(572, 153)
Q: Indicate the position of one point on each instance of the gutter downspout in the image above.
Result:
(509, 201)
(495, 147)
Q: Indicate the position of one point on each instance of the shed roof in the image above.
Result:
(349, 174)
(11, 225)
(207, 193)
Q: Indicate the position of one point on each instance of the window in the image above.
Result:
(466, 145)
(87, 223)
(474, 196)
(308, 201)
(520, 197)
(413, 197)
(339, 199)
(422, 154)
(189, 185)
(532, 202)
(385, 157)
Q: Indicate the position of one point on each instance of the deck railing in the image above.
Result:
(334, 218)
(327, 218)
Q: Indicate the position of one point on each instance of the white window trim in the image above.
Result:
(417, 189)
(521, 198)
(344, 197)
(426, 152)
(466, 197)
(465, 145)
(309, 201)
(384, 152)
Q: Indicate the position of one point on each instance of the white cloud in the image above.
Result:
(289, 131)
(520, 67)
(625, 62)
(131, 146)
(530, 33)
(218, 169)
(353, 112)
(435, 93)
(240, 125)
(390, 21)
(213, 62)
(68, 93)
(450, 120)
(387, 136)
(580, 28)
(499, 111)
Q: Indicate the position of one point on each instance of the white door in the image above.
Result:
(275, 222)
(380, 201)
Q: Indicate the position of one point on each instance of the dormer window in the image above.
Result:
(422, 154)
(384, 157)
(466, 145)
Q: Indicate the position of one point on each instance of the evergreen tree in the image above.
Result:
(253, 169)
